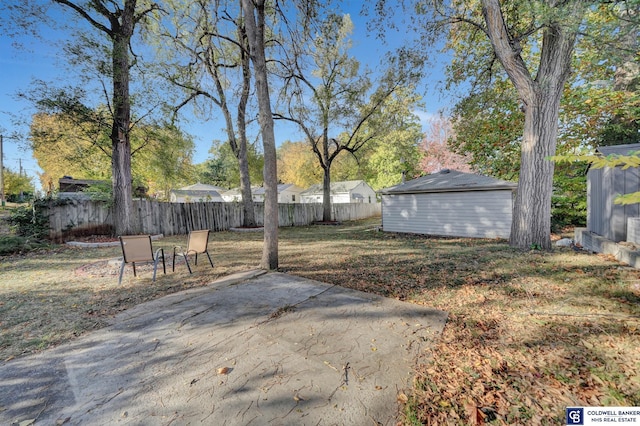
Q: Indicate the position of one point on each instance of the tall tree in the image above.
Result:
(117, 22)
(333, 102)
(209, 44)
(597, 106)
(255, 14)
(547, 29)
(540, 95)
(107, 28)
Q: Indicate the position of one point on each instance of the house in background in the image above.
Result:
(198, 192)
(234, 195)
(70, 188)
(288, 193)
(351, 191)
(450, 203)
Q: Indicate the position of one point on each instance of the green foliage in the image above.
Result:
(15, 184)
(80, 146)
(100, 192)
(568, 202)
(488, 130)
(11, 244)
(222, 167)
(31, 221)
(535, 246)
(599, 162)
(393, 153)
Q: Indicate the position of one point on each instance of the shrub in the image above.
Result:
(10, 244)
(30, 221)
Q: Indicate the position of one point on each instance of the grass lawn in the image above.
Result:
(529, 333)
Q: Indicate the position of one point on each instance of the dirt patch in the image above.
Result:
(111, 267)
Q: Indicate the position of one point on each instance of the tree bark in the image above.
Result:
(531, 222)
(326, 162)
(243, 160)
(120, 140)
(531, 225)
(326, 194)
(255, 24)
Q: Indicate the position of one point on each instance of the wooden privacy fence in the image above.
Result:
(85, 217)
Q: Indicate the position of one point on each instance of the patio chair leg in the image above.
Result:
(187, 262)
(159, 252)
(155, 268)
(210, 261)
(121, 272)
(164, 267)
(173, 268)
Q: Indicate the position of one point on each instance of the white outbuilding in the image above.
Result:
(288, 193)
(350, 191)
(450, 203)
(196, 193)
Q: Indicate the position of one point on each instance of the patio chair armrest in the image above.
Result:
(160, 250)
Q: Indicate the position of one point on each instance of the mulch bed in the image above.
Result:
(95, 239)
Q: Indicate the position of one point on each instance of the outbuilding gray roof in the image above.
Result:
(450, 181)
(619, 149)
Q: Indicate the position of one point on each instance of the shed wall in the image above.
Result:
(604, 217)
(479, 214)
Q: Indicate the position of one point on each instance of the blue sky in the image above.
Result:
(37, 60)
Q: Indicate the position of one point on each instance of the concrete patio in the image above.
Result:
(250, 349)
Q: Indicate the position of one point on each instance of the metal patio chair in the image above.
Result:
(196, 244)
(138, 249)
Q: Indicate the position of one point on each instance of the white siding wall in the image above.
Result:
(343, 197)
(290, 195)
(368, 194)
(481, 214)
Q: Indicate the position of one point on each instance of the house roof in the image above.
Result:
(69, 184)
(281, 187)
(449, 181)
(336, 187)
(618, 149)
(238, 191)
(201, 187)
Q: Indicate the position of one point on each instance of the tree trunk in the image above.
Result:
(326, 195)
(243, 160)
(121, 145)
(531, 225)
(541, 96)
(249, 215)
(254, 11)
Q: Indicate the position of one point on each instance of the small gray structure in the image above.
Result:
(604, 217)
(450, 203)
